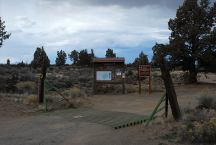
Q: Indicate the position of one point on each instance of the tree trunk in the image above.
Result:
(193, 72)
(41, 85)
(170, 91)
(192, 77)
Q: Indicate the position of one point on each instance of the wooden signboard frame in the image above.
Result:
(109, 71)
(143, 72)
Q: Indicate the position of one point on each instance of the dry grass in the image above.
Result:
(26, 87)
(199, 127)
(73, 97)
(30, 100)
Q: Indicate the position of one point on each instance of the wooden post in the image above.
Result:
(166, 106)
(40, 90)
(123, 85)
(123, 80)
(149, 88)
(149, 81)
(140, 87)
(139, 79)
(170, 90)
(41, 84)
(94, 81)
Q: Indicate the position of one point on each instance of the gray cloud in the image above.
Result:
(24, 22)
(128, 26)
(137, 3)
(173, 4)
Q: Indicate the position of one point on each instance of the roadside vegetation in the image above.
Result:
(198, 125)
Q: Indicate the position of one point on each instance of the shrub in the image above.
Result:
(199, 127)
(129, 73)
(27, 76)
(201, 132)
(207, 102)
(131, 89)
(11, 83)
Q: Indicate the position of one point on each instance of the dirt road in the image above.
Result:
(57, 128)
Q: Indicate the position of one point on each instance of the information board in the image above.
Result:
(103, 75)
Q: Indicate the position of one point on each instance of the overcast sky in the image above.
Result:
(127, 26)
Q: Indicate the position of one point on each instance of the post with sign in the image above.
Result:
(109, 71)
(143, 72)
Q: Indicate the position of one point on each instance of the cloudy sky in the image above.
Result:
(127, 26)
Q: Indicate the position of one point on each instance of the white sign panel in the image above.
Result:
(103, 75)
(118, 72)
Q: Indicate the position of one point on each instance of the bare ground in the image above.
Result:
(19, 126)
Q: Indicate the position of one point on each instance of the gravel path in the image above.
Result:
(59, 130)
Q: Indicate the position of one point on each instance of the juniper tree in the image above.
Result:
(84, 58)
(8, 61)
(110, 53)
(141, 60)
(42, 62)
(61, 58)
(74, 56)
(193, 35)
(3, 33)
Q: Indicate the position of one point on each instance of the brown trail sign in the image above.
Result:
(143, 72)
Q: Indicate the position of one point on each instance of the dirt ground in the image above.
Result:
(19, 126)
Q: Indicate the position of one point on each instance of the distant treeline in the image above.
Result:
(81, 58)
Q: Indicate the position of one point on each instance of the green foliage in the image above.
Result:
(110, 53)
(3, 34)
(92, 53)
(154, 62)
(129, 73)
(161, 51)
(61, 58)
(193, 35)
(84, 58)
(74, 56)
(141, 60)
(208, 60)
(40, 59)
